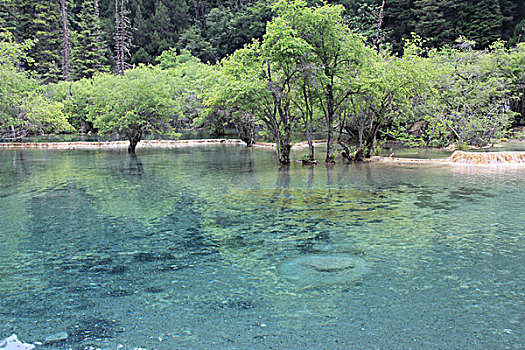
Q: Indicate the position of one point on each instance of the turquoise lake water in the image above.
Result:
(216, 247)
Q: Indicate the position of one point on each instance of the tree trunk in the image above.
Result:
(311, 154)
(346, 151)
(309, 126)
(358, 157)
(330, 143)
(370, 138)
(285, 146)
(245, 130)
(134, 137)
(330, 124)
(379, 27)
(65, 40)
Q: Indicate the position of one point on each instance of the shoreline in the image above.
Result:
(115, 144)
(498, 158)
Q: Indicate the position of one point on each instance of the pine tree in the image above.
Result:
(48, 32)
(8, 16)
(435, 21)
(89, 50)
(199, 11)
(399, 21)
(163, 28)
(482, 21)
(510, 12)
(141, 38)
(100, 46)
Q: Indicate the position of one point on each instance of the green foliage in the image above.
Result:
(435, 20)
(473, 98)
(481, 23)
(173, 58)
(138, 102)
(23, 111)
(190, 80)
(191, 40)
(153, 100)
(238, 95)
(307, 70)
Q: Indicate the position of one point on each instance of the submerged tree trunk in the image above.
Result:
(346, 151)
(285, 146)
(330, 112)
(330, 158)
(246, 131)
(370, 139)
(134, 137)
(309, 126)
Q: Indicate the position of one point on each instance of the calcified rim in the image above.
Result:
(458, 157)
(117, 144)
(468, 158)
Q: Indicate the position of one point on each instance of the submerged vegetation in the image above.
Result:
(312, 70)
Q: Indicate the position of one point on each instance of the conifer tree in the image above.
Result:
(89, 50)
(435, 21)
(7, 16)
(46, 53)
(163, 28)
(140, 39)
(482, 22)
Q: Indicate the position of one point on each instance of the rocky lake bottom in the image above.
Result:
(216, 247)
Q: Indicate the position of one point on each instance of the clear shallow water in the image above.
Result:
(194, 248)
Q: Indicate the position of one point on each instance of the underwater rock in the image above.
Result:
(94, 328)
(57, 337)
(12, 343)
(324, 270)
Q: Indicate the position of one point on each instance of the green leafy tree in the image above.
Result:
(472, 103)
(514, 69)
(131, 105)
(389, 90)
(337, 53)
(238, 94)
(190, 79)
(24, 110)
(191, 40)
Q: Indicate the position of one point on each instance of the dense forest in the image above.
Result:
(427, 72)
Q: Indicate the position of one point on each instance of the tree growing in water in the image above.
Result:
(333, 53)
(138, 103)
